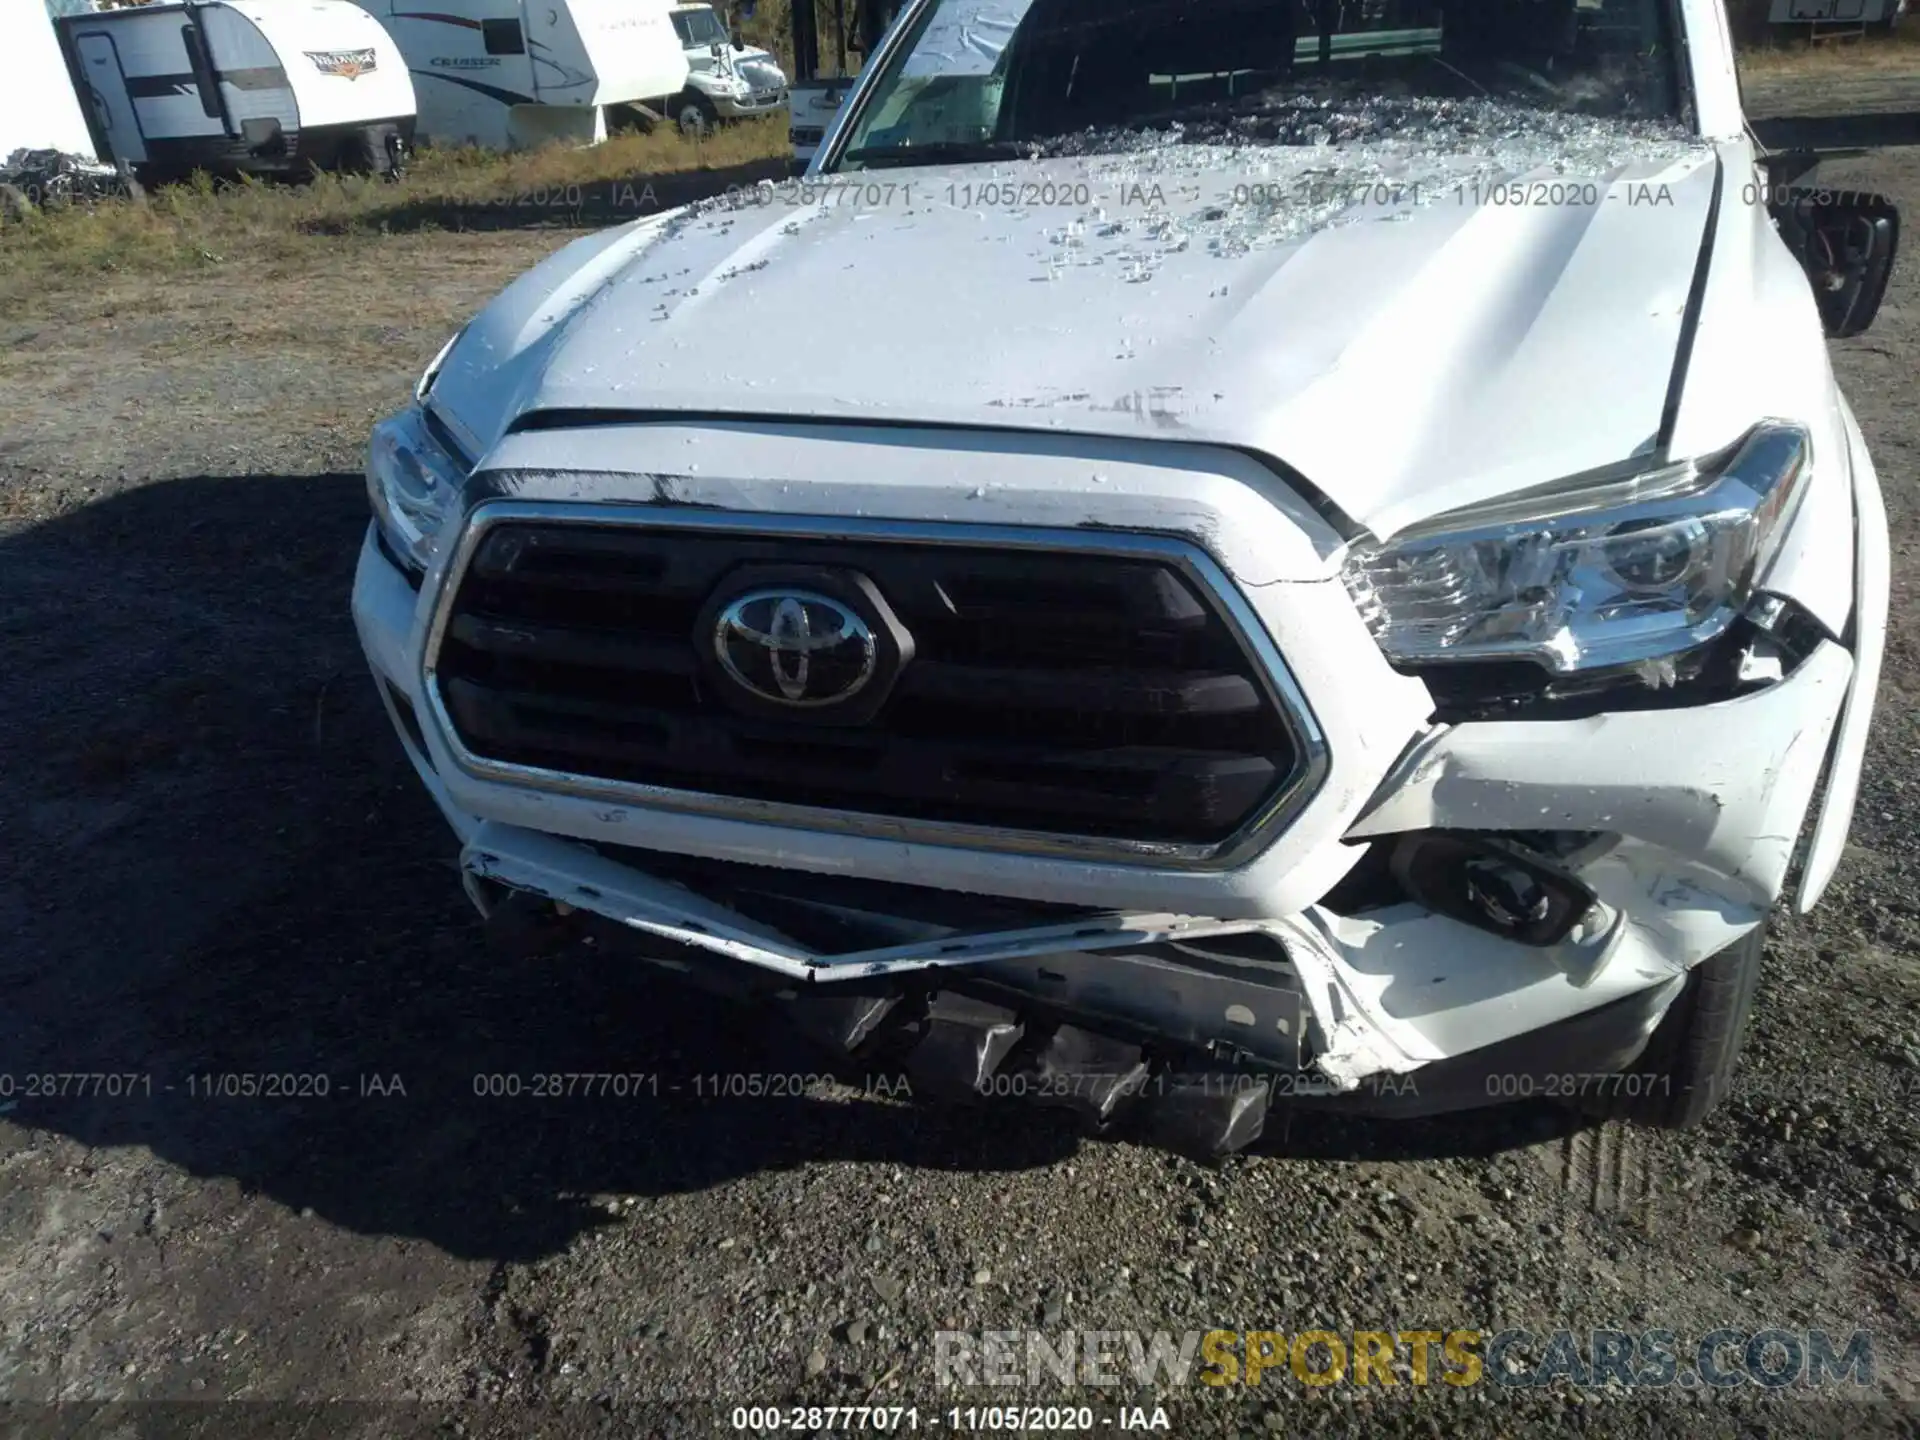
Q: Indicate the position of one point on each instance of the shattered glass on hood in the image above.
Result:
(1442, 126)
(1252, 184)
(1227, 194)
(1129, 200)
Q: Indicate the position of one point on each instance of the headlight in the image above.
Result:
(414, 482)
(1607, 575)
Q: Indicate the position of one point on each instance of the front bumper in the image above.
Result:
(1696, 811)
(755, 102)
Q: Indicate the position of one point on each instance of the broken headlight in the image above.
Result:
(1577, 579)
(413, 480)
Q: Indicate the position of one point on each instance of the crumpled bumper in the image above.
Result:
(1692, 814)
(752, 102)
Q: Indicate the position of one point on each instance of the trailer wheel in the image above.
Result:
(370, 152)
(695, 116)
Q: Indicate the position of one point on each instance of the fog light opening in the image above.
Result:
(1497, 885)
(1506, 895)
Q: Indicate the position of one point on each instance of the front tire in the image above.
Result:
(695, 116)
(1688, 1065)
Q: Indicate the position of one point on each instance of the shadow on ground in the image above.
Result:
(573, 206)
(222, 867)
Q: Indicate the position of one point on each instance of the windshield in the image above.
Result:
(698, 27)
(984, 78)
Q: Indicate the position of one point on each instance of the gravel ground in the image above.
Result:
(214, 862)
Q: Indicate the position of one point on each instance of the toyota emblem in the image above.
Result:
(795, 647)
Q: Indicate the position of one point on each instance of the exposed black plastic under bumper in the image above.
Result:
(961, 1041)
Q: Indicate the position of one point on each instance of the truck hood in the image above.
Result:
(1409, 334)
(701, 57)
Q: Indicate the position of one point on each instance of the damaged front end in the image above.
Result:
(1187, 1029)
(1163, 825)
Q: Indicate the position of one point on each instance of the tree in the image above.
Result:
(772, 29)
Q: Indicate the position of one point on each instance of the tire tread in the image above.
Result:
(1696, 1045)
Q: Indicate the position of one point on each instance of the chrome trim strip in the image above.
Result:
(562, 870)
(1288, 799)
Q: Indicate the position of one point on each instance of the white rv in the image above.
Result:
(1876, 14)
(38, 110)
(509, 76)
(240, 86)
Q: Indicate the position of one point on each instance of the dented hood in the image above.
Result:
(1409, 335)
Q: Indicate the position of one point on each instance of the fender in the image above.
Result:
(1872, 568)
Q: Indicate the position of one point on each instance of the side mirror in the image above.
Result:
(1845, 240)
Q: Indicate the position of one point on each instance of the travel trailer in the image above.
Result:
(1835, 16)
(38, 108)
(502, 76)
(240, 86)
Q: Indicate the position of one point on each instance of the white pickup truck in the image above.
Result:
(1308, 565)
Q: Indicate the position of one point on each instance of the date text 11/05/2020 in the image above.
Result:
(1516, 1085)
(755, 1085)
(1315, 191)
(43, 1085)
(707, 1085)
(967, 1419)
(1721, 1359)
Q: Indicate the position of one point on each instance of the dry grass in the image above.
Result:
(1842, 55)
(286, 361)
(199, 226)
(469, 174)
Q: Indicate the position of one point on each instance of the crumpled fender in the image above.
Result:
(1872, 569)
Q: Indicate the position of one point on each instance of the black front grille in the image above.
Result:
(1090, 695)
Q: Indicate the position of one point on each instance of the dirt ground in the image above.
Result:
(214, 862)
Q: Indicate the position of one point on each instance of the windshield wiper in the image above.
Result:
(942, 152)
